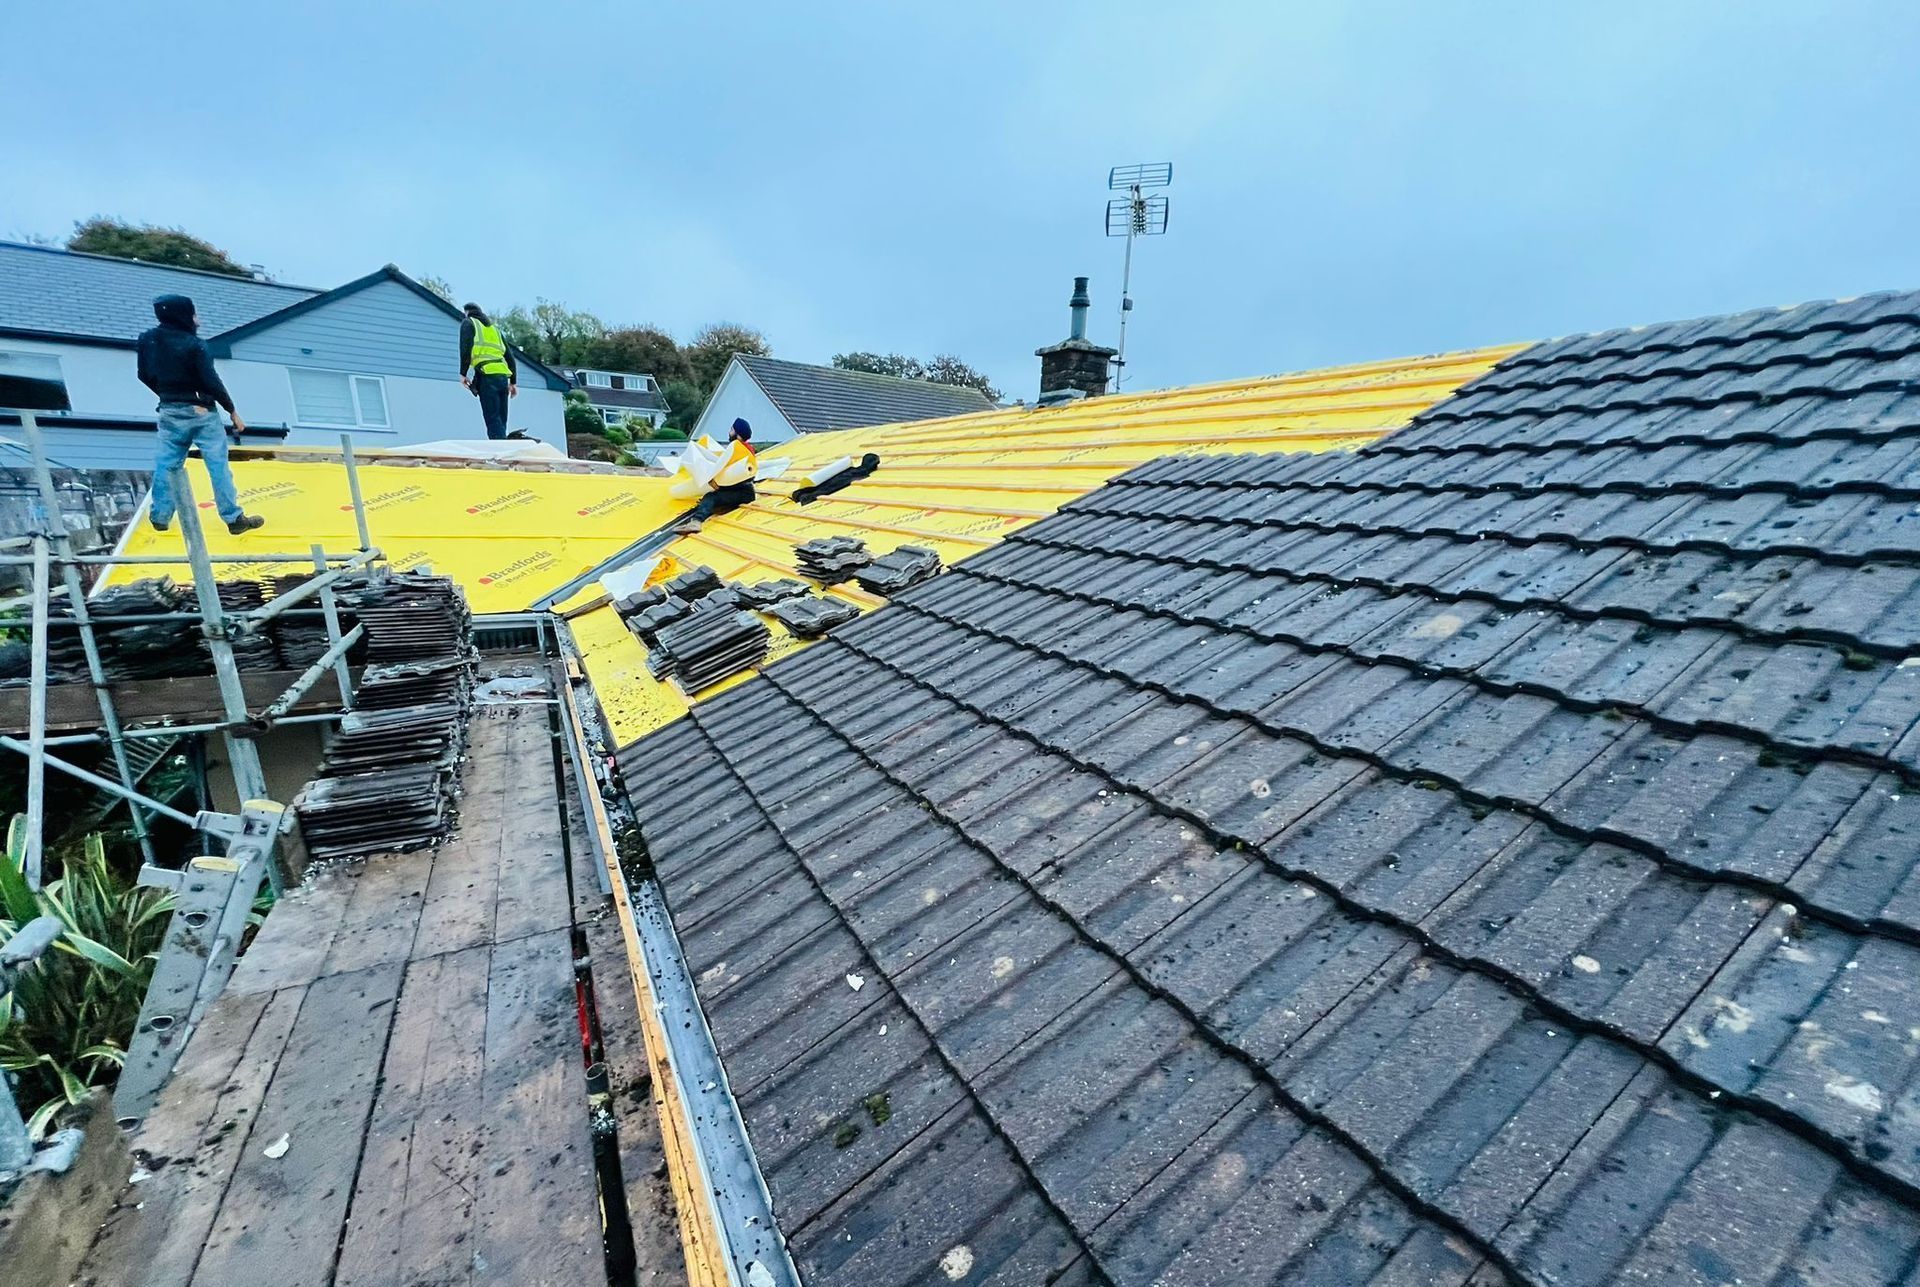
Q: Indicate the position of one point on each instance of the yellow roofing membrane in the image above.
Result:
(960, 485)
(508, 535)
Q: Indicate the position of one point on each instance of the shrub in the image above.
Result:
(64, 1027)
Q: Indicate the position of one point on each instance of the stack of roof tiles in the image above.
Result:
(899, 568)
(256, 649)
(762, 595)
(708, 646)
(831, 559)
(302, 639)
(387, 783)
(810, 616)
(411, 616)
(1488, 857)
(129, 650)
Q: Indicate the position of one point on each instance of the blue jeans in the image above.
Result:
(492, 390)
(183, 425)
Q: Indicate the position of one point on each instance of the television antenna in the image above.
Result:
(1134, 215)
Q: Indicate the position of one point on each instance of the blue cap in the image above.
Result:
(741, 429)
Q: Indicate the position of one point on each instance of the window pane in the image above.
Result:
(321, 397)
(32, 382)
(611, 416)
(599, 380)
(373, 400)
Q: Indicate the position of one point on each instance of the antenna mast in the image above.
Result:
(1134, 215)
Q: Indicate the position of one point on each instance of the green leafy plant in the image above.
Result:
(64, 1026)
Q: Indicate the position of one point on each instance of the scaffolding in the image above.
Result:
(213, 893)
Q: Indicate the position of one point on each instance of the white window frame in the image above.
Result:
(354, 380)
(611, 416)
(598, 379)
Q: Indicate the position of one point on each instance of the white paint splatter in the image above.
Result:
(855, 982)
(1734, 1017)
(1260, 788)
(1863, 1095)
(278, 1149)
(1443, 626)
(1002, 966)
(1586, 965)
(929, 896)
(1874, 1016)
(958, 1262)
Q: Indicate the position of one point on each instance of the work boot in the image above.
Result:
(689, 527)
(158, 526)
(246, 523)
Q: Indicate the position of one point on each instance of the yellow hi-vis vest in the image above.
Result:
(489, 350)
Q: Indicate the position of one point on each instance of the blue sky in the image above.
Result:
(1352, 181)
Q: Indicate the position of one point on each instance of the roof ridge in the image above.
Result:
(958, 389)
(249, 278)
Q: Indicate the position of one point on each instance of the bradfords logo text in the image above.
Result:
(511, 499)
(380, 500)
(607, 506)
(272, 491)
(514, 571)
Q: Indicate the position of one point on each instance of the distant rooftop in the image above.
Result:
(825, 397)
(67, 294)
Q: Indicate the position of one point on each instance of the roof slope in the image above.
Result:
(507, 533)
(961, 485)
(1488, 856)
(64, 294)
(222, 345)
(825, 397)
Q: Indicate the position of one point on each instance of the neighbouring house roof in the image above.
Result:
(222, 345)
(65, 295)
(1489, 856)
(630, 399)
(53, 294)
(824, 397)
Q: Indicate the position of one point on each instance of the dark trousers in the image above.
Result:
(722, 499)
(493, 403)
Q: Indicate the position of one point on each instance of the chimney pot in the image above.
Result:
(1076, 364)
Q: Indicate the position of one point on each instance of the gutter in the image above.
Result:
(727, 1227)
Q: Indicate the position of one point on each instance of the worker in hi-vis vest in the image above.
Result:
(486, 367)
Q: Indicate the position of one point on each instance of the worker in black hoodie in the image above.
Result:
(175, 364)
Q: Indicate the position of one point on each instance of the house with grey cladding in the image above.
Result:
(375, 358)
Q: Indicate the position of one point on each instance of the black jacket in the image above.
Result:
(174, 362)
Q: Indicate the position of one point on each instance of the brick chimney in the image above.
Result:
(1076, 366)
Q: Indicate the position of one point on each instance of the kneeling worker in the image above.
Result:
(722, 499)
(493, 378)
(173, 361)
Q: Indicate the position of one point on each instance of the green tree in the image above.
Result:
(152, 244)
(551, 332)
(897, 364)
(943, 369)
(711, 349)
(685, 402)
(644, 350)
(439, 286)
